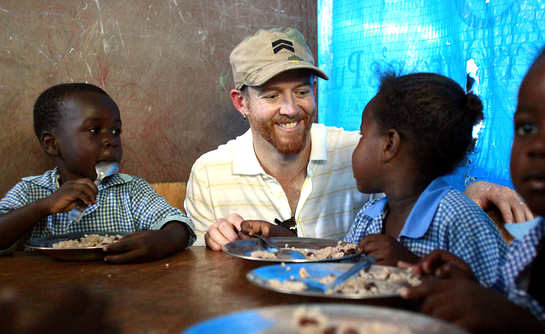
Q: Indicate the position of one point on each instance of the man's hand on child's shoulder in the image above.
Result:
(387, 250)
(149, 245)
(69, 193)
(511, 205)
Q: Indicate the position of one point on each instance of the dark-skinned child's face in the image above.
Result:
(89, 132)
(366, 156)
(528, 152)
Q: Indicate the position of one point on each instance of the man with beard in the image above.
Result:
(286, 169)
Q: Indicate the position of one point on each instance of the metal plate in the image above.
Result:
(243, 248)
(278, 319)
(45, 245)
(261, 276)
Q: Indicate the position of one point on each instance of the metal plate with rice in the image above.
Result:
(290, 273)
(244, 248)
(280, 319)
(45, 245)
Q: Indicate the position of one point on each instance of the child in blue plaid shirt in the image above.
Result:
(79, 125)
(519, 307)
(417, 129)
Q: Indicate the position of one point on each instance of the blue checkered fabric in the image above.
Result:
(458, 226)
(514, 276)
(124, 203)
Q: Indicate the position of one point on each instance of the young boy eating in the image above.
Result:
(79, 125)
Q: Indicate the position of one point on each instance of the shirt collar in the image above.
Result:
(422, 214)
(245, 161)
(519, 230)
(424, 210)
(50, 180)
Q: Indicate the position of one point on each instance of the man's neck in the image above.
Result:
(289, 170)
(280, 165)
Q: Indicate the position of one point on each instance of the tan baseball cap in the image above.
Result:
(260, 57)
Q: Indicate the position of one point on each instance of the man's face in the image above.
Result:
(282, 111)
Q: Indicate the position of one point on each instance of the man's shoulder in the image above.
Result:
(334, 140)
(338, 136)
(224, 152)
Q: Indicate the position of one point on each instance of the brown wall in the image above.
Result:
(165, 63)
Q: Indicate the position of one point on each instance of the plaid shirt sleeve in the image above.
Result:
(461, 227)
(125, 203)
(514, 273)
(363, 225)
(458, 226)
(151, 211)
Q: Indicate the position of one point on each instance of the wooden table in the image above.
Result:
(164, 296)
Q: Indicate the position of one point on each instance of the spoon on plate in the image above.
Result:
(103, 169)
(364, 264)
(282, 253)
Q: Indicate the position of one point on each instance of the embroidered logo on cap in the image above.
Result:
(281, 44)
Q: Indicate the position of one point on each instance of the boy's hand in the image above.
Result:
(443, 264)
(68, 195)
(472, 306)
(148, 245)
(387, 250)
(249, 228)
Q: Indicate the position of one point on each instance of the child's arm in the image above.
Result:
(15, 223)
(149, 245)
(443, 264)
(249, 228)
(474, 307)
(387, 250)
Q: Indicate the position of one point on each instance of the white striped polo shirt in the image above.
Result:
(231, 180)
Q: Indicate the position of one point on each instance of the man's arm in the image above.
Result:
(198, 205)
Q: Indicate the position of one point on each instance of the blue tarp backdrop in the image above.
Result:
(356, 38)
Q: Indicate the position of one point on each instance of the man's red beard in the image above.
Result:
(286, 143)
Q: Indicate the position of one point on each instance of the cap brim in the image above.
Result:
(266, 73)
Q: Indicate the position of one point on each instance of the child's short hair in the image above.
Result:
(433, 113)
(48, 106)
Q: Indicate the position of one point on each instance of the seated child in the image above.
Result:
(417, 129)
(79, 125)
(520, 305)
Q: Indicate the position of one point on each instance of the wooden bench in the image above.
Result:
(173, 192)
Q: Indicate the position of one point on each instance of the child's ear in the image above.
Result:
(49, 143)
(392, 141)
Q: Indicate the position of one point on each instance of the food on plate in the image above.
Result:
(88, 240)
(381, 280)
(313, 321)
(331, 252)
